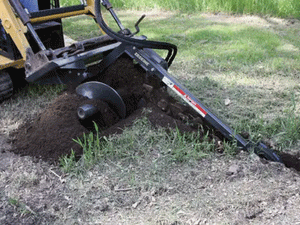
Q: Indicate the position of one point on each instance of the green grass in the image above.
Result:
(282, 8)
(218, 46)
(276, 7)
(138, 143)
(81, 28)
(20, 207)
(283, 129)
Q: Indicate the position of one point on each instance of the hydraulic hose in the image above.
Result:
(172, 49)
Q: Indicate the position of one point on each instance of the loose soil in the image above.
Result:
(51, 135)
(216, 190)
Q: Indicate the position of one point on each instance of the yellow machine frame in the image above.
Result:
(15, 28)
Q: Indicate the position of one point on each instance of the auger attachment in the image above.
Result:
(101, 91)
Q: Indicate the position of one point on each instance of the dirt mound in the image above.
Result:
(51, 135)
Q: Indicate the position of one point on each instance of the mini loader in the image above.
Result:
(31, 39)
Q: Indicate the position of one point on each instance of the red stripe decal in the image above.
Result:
(179, 90)
(190, 100)
(202, 110)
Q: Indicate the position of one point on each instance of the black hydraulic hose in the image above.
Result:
(172, 49)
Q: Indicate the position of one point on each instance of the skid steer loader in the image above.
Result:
(14, 40)
(32, 40)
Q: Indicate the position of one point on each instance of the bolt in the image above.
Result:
(27, 66)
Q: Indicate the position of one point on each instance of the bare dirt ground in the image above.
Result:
(219, 189)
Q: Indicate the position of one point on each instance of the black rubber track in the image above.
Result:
(6, 86)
